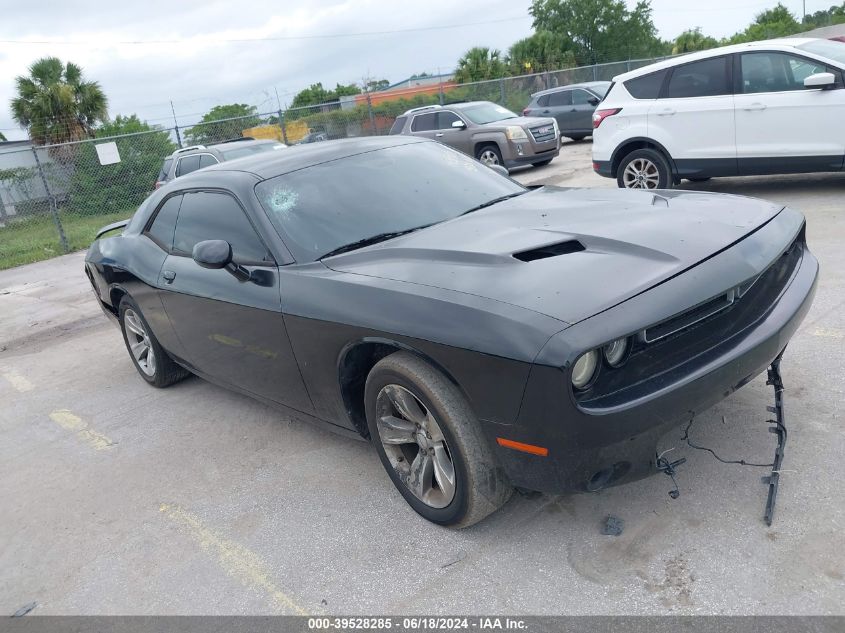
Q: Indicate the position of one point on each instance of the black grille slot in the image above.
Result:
(552, 250)
(543, 133)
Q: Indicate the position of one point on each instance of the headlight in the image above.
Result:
(584, 369)
(515, 133)
(616, 352)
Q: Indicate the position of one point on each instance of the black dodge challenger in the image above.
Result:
(481, 334)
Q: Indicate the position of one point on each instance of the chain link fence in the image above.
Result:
(53, 198)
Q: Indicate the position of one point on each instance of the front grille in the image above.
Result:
(669, 350)
(543, 133)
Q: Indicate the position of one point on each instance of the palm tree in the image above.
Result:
(56, 105)
(480, 63)
(2, 138)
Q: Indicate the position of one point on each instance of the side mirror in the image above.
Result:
(820, 80)
(212, 254)
(500, 170)
(458, 124)
(593, 101)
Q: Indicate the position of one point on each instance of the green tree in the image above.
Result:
(600, 30)
(541, 51)
(693, 40)
(775, 22)
(826, 17)
(480, 63)
(374, 85)
(214, 128)
(100, 189)
(2, 137)
(315, 94)
(55, 104)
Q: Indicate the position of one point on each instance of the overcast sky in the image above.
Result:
(197, 68)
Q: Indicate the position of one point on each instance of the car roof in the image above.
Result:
(784, 44)
(224, 145)
(583, 84)
(270, 164)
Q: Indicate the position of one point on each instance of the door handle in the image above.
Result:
(439, 134)
(755, 106)
(666, 112)
(169, 276)
(545, 111)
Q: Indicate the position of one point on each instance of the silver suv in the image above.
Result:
(184, 161)
(492, 134)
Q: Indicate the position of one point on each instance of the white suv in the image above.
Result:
(770, 107)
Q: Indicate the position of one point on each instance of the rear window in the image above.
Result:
(187, 164)
(646, 87)
(398, 125)
(424, 123)
(825, 48)
(705, 78)
(165, 169)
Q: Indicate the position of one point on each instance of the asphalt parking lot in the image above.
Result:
(117, 498)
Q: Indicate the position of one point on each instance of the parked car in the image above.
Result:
(572, 107)
(492, 134)
(481, 334)
(189, 159)
(771, 107)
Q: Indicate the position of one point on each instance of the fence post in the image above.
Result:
(54, 210)
(373, 129)
(440, 85)
(595, 72)
(284, 127)
(176, 125)
(546, 79)
(502, 90)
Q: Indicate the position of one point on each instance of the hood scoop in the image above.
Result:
(551, 250)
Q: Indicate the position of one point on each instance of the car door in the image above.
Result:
(781, 126)
(425, 124)
(458, 137)
(231, 329)
(560, 106)
(694, 118)
(582, 110)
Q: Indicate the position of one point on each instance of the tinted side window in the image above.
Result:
(207, 160)
(165, 169)
(217, 216)
(424, 122)
(398, 125)
(543, 101)
(706, 78)
(187, 164)
(582, 97)
(445, 120)
(161, 230)
(775, 72)
(646, 87)
(562, 98)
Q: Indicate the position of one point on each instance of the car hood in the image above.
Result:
(522, 121)
(595, 247)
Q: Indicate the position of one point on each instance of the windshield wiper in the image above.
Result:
(490, 203)
(367, 241)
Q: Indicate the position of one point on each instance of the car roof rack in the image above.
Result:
(423, 108)
(237, 140)
(188, 149)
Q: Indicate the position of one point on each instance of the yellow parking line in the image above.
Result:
(828, 332)
(239, 562)
(80, 428)
(18, 382)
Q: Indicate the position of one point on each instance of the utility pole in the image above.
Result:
(175, 124)
(281, 117)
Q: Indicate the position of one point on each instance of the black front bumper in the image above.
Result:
(591, 450)
(603, 168)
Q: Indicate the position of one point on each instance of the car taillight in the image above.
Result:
(601, 115)
(158, 184)
(526, 111)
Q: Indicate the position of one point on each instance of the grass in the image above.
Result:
(32, 239)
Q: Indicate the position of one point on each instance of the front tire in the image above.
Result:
(431, 444)
(576, 137)
(644, 169)
(148, 356)
(489, 155)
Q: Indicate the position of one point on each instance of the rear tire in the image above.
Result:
(431, 444)
(489, 155)
(148, 356)
(644, 169)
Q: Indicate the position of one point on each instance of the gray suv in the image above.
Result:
(184, 161)
(492, 134)
(572, 106)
